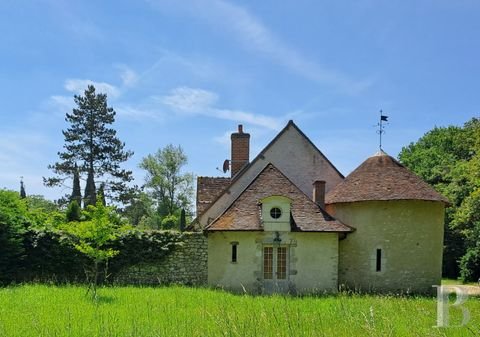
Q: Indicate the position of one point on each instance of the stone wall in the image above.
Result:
(185, 265)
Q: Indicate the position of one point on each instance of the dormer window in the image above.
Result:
(275, 213)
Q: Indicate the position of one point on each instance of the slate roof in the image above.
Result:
(208, 190)
(244, 213)
(381, 177)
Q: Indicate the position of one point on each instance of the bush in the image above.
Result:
(14, 220)
(49, 257)
(73, 212)
(170, 222)
(470, 265)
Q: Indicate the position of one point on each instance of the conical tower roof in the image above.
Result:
(381, 177)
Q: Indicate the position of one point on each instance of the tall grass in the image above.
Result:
(38, 310)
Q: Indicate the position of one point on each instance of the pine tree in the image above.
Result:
(76, 191)
(90, 142)
(23, 194)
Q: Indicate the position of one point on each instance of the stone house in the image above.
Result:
(289, 221)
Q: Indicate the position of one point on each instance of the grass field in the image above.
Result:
(38, 310)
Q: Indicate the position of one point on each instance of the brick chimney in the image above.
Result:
(319, 193)
(240, 150)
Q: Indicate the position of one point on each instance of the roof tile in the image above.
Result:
(381, 177)
(208, 189)
(244, 213)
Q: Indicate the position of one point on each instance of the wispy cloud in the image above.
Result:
(128, 75)
(203, 102)
(78, 86)
(61, 103)
(187, 99)
(74, 20)
(250, 31)
(138, 113)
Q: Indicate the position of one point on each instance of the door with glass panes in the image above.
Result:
(275, 268)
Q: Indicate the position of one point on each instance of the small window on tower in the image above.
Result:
(378, 266)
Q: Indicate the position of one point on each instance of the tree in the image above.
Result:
(449, 159)
(43, 212)
(183, 220)
(76, 191)
(101, 194)
(94, 146)
(23, 194)
(90, 194)
(92, 237)
(169, 187)
(139, 209)
(73, 212)
(14, 220)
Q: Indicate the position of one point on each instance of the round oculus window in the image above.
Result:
(275, 212)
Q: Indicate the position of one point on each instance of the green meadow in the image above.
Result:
(40, 310)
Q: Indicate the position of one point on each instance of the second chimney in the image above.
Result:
(319, 193)
(240, 150)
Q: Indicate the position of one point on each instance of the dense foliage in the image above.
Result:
(38, 243)
(449, 159)
(14, 221)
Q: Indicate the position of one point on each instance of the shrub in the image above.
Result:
(13, 223)
(470, 265)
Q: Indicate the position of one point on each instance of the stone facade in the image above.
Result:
(312, 261)
(408, 236)
(185, 265)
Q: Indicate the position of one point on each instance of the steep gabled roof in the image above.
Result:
(208, 189)
(260, 157)
(244, 213)
(381, 177)
(274, 140)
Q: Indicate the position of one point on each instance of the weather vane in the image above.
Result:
(381, 127)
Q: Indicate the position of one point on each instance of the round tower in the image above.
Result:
(399, 221)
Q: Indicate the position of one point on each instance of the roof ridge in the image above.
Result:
(245, 168)
(327, 217)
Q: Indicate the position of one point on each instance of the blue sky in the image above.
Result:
(187, 72)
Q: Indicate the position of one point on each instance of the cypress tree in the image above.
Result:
(23, 194)
(183, 220)
(90, 195)
(101, 193)
(76, 191)
(94, 145)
